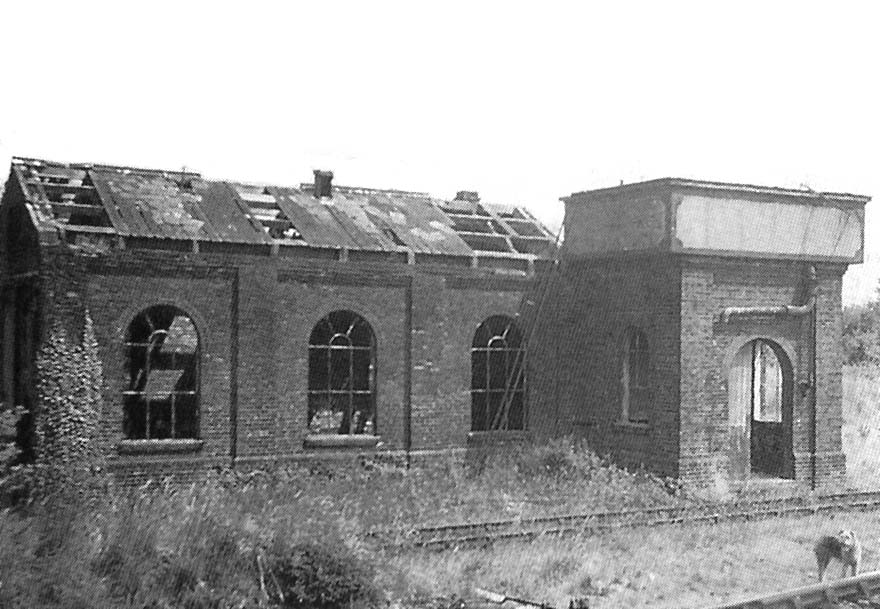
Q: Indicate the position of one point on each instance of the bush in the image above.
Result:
(68, 459)
(861, 332)
(557, 458)
(9, 452)
(309, 575)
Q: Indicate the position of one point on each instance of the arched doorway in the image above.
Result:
(759, 390)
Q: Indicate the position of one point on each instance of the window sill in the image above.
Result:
(498, 436)
(340, 441)
(152, 447)
(636, 427)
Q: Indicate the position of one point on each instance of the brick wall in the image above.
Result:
(446, 314)
(579, 350)
(707, 347)
(254, 315)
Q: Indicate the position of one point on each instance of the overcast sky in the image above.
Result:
(522, 102)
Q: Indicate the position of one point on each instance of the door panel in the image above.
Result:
(739, 408)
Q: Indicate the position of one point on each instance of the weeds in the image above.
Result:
(289, 537)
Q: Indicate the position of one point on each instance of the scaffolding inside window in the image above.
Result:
(162, 356)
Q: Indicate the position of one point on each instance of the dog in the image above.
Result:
(843, 547)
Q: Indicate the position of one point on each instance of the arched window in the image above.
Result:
(635, 376)
(342, 370)
(497, 376)
(162, 356)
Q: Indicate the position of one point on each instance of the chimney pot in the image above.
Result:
(468, 195)
(323, 183)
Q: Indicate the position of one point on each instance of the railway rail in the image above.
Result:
(486, 532)
(858, 591)
(861, 591)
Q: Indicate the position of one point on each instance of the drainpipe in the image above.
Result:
(808, 308)
(812, 385)
(792, 310)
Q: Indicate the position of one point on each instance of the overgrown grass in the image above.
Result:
(273, 539)
(861, 424)
(676, 566)
(297, 537)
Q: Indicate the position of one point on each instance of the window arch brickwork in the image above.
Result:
(162, 354)
(342, 370)
(497, 376)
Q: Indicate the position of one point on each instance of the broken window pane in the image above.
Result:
(160, 419)
(494, 400)
(361, 369)
(362, 417)
(162, 360)
(134, 419)
(340, 367)
(187, 416)
(479, 421)
(342, 375)
(497, 376)
(497, 365)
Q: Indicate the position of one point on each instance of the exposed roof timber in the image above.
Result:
(156, 204)
(104, 167)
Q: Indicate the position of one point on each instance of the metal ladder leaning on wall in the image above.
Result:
(530, 308)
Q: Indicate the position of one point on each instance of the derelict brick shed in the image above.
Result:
(691, 327)
(696, 328)
(242, 324)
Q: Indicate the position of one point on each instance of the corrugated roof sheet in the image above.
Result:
(174, 205)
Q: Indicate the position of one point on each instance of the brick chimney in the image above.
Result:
(323, 183)
(468, 195)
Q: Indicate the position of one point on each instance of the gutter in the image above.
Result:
(808, 308)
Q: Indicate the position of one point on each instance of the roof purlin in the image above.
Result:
(155, 204)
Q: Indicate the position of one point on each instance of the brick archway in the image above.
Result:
(760, 390)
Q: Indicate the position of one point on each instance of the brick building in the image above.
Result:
(242, 324)
(696, 327)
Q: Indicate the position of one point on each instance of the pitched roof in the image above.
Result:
(156, 204)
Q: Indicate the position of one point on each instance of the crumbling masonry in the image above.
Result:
(692, 327)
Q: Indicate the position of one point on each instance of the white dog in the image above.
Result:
(843, 547)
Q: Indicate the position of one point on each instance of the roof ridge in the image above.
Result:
(102, 166)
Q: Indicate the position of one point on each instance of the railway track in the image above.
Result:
(487, 532)
(859, 591)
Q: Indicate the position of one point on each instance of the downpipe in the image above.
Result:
(790, 310)
(808, 308)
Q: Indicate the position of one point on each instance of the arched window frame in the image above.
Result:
(162, 397)
(635, 377)
(342, 376)
(498, 392)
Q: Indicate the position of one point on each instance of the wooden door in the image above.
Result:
(739, 392)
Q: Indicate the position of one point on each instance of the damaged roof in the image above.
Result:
(155, 204)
